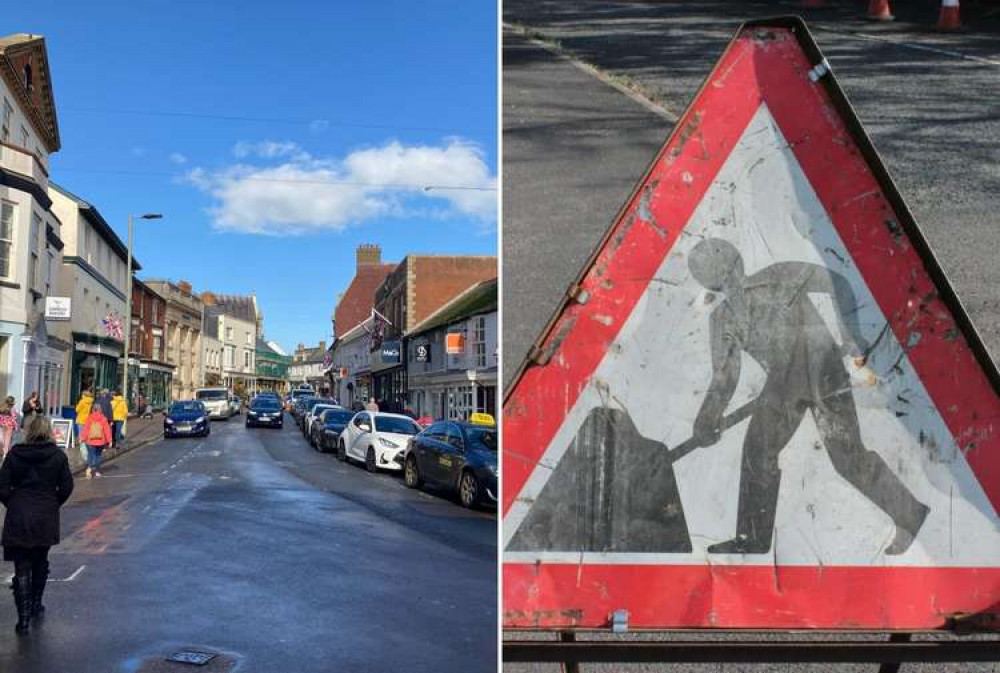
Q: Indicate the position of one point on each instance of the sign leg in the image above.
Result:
(893, 666)
(568, 666)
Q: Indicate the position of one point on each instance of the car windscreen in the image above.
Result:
(339, 417)
(186, 407)
(212, 394)
(302, 393)
(314, 403)
(402, 426)
(265, 404)
(482, 438)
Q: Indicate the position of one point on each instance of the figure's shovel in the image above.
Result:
(613, 491)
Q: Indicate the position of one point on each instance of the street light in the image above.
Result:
(128, 313)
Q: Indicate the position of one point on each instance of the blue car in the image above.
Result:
(187, 418)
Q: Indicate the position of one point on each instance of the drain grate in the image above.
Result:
(191, 657)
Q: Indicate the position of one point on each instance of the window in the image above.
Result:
(246, 359)
(249, 342)
(157, 347)
(25, 137)
(229, 334)
(479, 340)
(35, 245)
(230, 356)
(156, 311)
(29, 84)
(6, 238)
(49, 266)
(8, 112)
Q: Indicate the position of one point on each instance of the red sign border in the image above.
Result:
(908, 607)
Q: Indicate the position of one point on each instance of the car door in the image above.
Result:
(451, 452)
(425, 448)
(359, 435)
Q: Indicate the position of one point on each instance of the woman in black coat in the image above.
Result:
(35, 481)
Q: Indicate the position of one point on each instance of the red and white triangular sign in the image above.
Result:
(763, 405)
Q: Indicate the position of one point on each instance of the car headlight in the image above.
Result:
(251, 412)
(386, 443)
(168, 421)
(200, 419)
(492, 469)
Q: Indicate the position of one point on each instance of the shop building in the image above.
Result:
(239, 323)
(452, 357)
(150, 376)
(416, 288)
(309, 365)
(184, 317)
(272, 367)
(34, 353)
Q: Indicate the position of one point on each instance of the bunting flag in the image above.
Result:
(114, 327)
(376, 331)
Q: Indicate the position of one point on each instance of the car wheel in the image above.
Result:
(468, 490)
(411, 473)
(370, 460)
(341, 451)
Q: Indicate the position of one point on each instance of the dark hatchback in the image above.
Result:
(308, 405)
(459, 456)
(327, 428)
(186, 418)
(299, 406)
(265, 411)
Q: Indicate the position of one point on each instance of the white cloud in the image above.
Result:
(299, 193)
(178, 158)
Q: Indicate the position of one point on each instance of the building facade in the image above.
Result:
(453, 380)
(34, 353)
(211, 355)
(415, 289)
(93, 276)
(239, 323)
(272, 367)
(150, 375)
(309, 365)
(185, 314)
(351, 365)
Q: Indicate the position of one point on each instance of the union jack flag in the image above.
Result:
(376, 331)
(113, 327)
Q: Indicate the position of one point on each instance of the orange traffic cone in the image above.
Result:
(878, 10)
(949, 19)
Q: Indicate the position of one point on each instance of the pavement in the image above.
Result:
(251, 545)
(593, 88)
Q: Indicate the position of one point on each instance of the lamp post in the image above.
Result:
(128, 312)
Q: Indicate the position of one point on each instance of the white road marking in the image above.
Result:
(76, 573)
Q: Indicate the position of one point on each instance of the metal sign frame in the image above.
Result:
(547, 346)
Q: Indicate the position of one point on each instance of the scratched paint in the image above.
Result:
(633, 371)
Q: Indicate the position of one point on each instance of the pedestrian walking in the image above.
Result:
(104, 401)
(372, 405)
(32, 406)
(8, 423)
(83, 408)
(97, 436)
(35, 481)
(119, 412)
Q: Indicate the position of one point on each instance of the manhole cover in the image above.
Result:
(191, 657)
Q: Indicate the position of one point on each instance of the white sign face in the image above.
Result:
(58, 308)
(823, 513)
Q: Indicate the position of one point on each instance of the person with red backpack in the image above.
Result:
(96, 435)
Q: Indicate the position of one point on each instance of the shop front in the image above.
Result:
(45, 358)
(389, 377)
(96, 364)
(154, 383)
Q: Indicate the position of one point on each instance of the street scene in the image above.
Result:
(249, 337)
(670, 466)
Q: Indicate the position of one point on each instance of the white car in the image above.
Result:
(375, 438)
(216, 401)
(312, 416)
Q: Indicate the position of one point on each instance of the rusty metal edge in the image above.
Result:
(867, 149)
(894, 651)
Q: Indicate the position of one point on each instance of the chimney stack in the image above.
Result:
(322, 345)
(184, 286)
(207, 298)
(369, 254)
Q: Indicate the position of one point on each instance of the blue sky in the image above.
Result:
(337, 115)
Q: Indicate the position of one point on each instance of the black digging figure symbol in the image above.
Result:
(769, 316)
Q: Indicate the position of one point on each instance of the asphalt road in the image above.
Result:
(574, 145)
(252, 545)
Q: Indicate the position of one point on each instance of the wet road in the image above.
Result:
(253, 545)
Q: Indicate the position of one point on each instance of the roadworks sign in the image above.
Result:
(761, 404)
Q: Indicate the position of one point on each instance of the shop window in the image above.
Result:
(8, 113)
(479, 341)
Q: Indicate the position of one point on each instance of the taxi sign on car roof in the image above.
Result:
(480, 418)
(761, 404)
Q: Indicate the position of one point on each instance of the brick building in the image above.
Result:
(416, 288)
(149, 375)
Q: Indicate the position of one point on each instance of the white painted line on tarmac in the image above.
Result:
(76, 573)
(912, 45)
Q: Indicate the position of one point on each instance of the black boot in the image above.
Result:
(22, 599)
(38, 580)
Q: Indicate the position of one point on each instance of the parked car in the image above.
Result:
(459, 456)
(309, 419)
(216, 401)
(298, 406)
(299, 393)
(326, 429)
(188, 417)
(375, 438)
(265, 410)
(309, 406)
(236, 404)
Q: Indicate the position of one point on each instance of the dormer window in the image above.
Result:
(28, 84)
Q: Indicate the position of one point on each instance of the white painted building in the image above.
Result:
(352, 366)
(239, 322)
(33, 353)
(211, 373)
